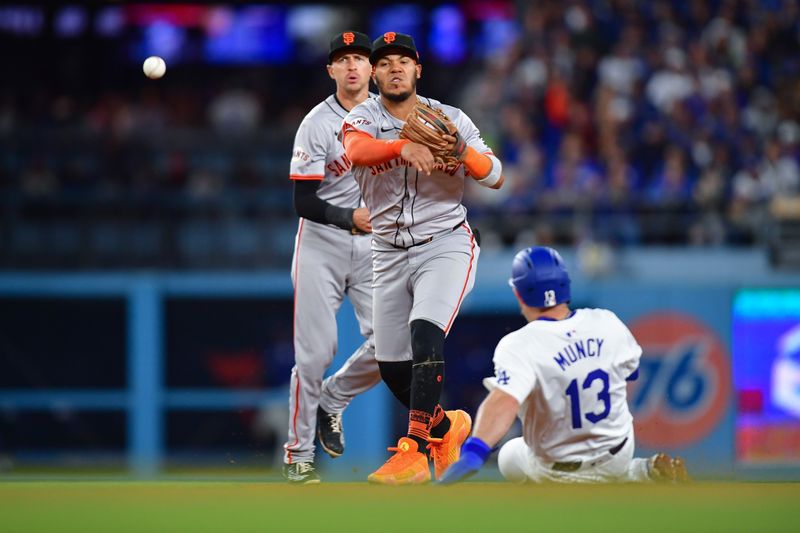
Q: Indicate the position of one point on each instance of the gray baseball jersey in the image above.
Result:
(407, 206)
(424, 252)
(328, 263)
(319, 155)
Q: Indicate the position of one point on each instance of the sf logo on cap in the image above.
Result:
(389, 37)
(348, 37)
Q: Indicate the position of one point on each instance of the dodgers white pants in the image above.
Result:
(518, 464)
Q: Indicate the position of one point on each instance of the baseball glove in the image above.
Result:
(429, 127)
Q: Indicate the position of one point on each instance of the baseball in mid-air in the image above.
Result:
(154, 67)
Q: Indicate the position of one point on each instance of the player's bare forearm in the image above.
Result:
(495, 417)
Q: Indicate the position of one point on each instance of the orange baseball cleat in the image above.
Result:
(446, 451)
(408, 466)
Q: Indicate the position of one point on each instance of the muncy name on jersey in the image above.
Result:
(580, 349)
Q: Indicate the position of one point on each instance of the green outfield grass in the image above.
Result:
(192, 506)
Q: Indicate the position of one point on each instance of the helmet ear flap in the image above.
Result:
(516, 295)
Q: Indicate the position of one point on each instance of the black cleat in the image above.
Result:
(301, 473)
(329, 432)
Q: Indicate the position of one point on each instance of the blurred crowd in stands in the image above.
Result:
(619, 121)
(635, 122)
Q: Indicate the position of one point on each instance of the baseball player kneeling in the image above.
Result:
(564, 374)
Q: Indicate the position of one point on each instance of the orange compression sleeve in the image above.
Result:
(478, 164)
(363, 149)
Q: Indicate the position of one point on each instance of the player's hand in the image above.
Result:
(450, 146)
(419, 156)
(467, 466)
(361, 220)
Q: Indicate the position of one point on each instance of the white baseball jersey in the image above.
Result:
(407, 206)
(318, 154)
(569, 377)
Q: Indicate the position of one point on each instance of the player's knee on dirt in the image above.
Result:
(397, 376)
(427, 342)
(510, 460)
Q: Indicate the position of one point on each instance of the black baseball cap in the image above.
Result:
(393, 43)
(350, 41)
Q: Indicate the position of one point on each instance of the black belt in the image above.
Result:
(575, 465)
(429, 239)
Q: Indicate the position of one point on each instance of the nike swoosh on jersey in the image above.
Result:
(384, 130)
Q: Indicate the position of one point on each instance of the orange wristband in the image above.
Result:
(477, 164)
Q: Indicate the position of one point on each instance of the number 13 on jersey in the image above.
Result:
(603, 397)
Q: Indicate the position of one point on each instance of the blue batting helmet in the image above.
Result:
(540, 278)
